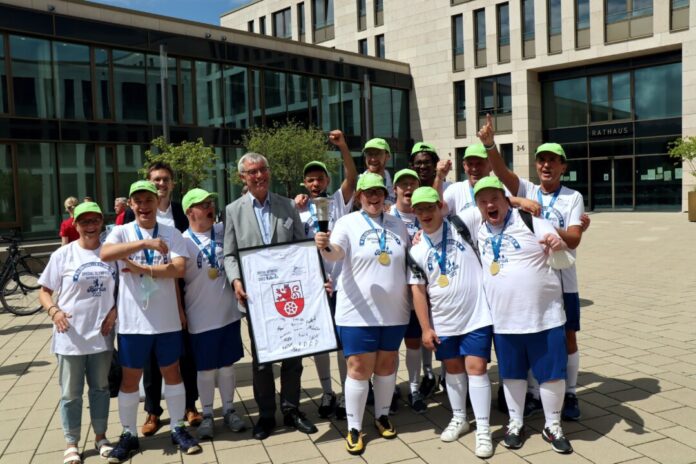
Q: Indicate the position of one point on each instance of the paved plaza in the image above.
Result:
(637, 384)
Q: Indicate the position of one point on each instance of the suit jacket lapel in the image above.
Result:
(274, 218)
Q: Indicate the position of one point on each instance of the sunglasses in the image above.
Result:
(89, 222)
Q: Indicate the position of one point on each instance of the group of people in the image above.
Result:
(449, 268)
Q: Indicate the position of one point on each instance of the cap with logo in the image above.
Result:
(488, 182)
(405, 173)
(87, 207)
(370, 180)
(424, 195)
(424, 147)
(377, 143)
(551, 147)
(313, 166)
(142, 186)
(477, 150)
(195, 196)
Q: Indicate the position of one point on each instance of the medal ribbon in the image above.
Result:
(415, 222)
(149, 254)
(442, 256)
(212, 259)
(382, 237)
(497, 240)
(547, 209)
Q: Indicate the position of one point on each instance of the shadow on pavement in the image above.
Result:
(21, 368)
(24, 328)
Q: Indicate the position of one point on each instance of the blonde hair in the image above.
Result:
(70, 201)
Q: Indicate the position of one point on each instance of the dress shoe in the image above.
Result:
(263, 428)
(151, 425)
(295, 418)
(193, 417)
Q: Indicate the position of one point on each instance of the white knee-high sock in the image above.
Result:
(572, 372)
(552, 400)
(342, 367)
(427, 356)
(383, 386)
(176, 403)
(128, 411)
(323, 364)
(480, 394)
(413, 365)
(206, 390)
(456, 392)
(532, 385)
(227, 381)
(355, 392)
(515, 391)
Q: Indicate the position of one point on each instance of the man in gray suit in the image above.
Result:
(261, 217)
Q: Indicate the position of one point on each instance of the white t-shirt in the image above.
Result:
(86, 287)
(409, 219)
(166, 217)
(372, 294)
(525, 296)
(459, 196)
(565, 212)
(461, 306)
(337, 209)
(210, 303)
(139, 313)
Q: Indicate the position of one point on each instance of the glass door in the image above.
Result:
(611, 183)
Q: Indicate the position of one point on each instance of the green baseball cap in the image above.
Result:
(423, 147)
(195, 196)
(405, 173)
(370, 180)
(551, 148)
(378, 143)
(486, 182)
(477, 150)
(87, 207)
(314, 164)
(424, 195)
(142, 186)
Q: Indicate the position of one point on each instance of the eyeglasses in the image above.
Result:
(419, 164)
(89, 222)
(203, 205)
(419, 209)
(255, 172)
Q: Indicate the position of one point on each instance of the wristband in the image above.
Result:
(489, 147)
(48, 311)
(54, 314)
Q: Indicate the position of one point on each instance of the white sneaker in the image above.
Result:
(456, 427)
(484, 443)
(234, 422)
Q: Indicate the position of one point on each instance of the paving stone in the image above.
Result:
(668, 451)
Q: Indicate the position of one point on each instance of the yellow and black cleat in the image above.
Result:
(385, 427)
(354, 442)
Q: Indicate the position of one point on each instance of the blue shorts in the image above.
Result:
(413, 329)
(134, 349)
(475, 343)
(571, 303)
(217, 348)
(543, 352)
(359, 340)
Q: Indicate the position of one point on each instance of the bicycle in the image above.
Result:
(19, 275)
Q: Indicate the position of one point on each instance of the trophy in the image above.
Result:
(323, 205)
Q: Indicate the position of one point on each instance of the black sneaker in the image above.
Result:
(513, 435)
(327, 405)
(415, 400)
(428, 386)
(571, 408)
(396, 399)
(187, 444)
(126, 447)
(554, 435)
(532, 405)
(340, 412)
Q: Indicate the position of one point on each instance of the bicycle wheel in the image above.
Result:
(29, 269)
(22, 301)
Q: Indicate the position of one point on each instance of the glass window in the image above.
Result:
(362, 46)
(400, 114)
(350, 99)
(379, 46)
(209, 99)
(73, 80)
(565, 103)
(256, 111)
(102, 74)
(460, 109)
(300, 20)
(262, 25)
(154, 89)
(105, 183)
(582, 11)
(495, 98)
(621, 95)
(8, 209)
(275, 104)
(658, 183)
(323, 13)
(504, 94)
(659, 91)
(458, 41)
(379, 12)
(32, 80)
(186, 102)
(599, 98)
(77, 170)
(298, 98)
(362, 7)
(503, 24)
(36, 170)
(480, 29)
(554, 12)
(642, 8)
(382, 123)
(528, 19)
(3, 77)
(130, 90)
(282, 24)
(314, 101)
(129, 158)
(236, 101)
(250, 25)
(330, 104)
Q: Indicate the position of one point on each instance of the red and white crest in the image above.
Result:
(288, 298)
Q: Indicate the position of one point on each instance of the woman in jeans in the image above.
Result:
(83, 319)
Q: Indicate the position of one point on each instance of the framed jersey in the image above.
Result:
(287, 306)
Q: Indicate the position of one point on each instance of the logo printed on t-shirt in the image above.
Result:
(97, 288)
(288, 298)
(506, 242)
(451, 268)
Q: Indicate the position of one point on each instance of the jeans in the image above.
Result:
(72, 370)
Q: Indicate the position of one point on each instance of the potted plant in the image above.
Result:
(684, 148)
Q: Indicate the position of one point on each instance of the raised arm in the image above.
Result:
(114, 251)
(350, 171)
(487, 137)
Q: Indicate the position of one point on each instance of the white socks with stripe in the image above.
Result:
(552, 400)
(383, 386)
(515, 391)
(456, 392)
(355, 392)
(175, 396)
(128, 411)
(206, 390)
(480, 394)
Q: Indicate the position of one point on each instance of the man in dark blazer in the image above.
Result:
(260, 217)
(169, 213)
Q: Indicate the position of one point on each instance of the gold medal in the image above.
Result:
(495, 268)
(213, 273)
(443, 281)
(384, 259)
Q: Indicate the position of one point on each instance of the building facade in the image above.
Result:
(82, 86)
(614, 81)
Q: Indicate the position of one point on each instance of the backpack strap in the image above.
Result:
(463, 230)
(527, 219)
(417, 271)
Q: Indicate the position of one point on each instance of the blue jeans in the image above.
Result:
(72, 370)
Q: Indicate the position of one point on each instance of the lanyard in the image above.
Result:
(547, 209)
(442, 256)
(212, 259)
(415, 223)
(383, 236)
(497, 240)
(149, 254)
